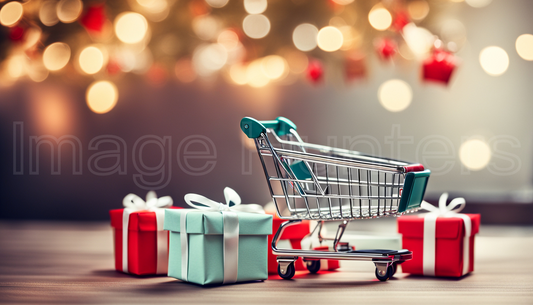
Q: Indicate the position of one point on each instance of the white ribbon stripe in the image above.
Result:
(430, 226)
(230, 229)
(133, 203)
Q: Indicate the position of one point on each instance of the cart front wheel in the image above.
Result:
(289, 271)
(383, 276)
(313, 266)
(393, 269)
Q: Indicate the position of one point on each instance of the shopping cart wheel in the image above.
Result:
(289, 271)
(385, 275)
(393, 269)
(313, 266)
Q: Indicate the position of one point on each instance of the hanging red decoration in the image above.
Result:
(93, 18)
(315, 71)
(354, 66)
(16, 33)
(386, 48)
(199, 8)
(401, 19)
(113, 67)
(439, 67)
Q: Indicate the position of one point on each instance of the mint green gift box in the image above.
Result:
(206, 246)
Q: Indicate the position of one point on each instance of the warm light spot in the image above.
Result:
(52, 109)
(56, 56)
(228, 39)
(478, 3)
(37, 71)
(418, 9)
(143, 61)
(350, 36)
(380, 18)
(329, 39)
(274, 66)
(454, 32)
(209, 58)
(256, 26)
(494, 60)
(48, 13)
(205, 27)
(304, 37)
(69, 10)
(131, 27)
(153, 6)
(406, 52)
(524, 46)
(297, 61)
(337, 22)
(419, 39)
(91, 60)
(255, 6)
(11, 13)
(32, 37)
(343, 2)
(15, 66)
(395, 95)
(102, 96)
(474, 154)
(154, 10)
(238, 75)
(185, 71)
(217, 3)
(150, 3)
(255, 75)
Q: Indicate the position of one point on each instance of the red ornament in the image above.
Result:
(401, 19)
(113, 67)
(199, 8)
(315, 71)
(354, 66)
(157, 75)
(386, 48)
(93, 18)
(16, 33)
(439, 67)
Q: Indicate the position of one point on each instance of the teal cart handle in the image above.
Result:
(254, 128)
(413, 190)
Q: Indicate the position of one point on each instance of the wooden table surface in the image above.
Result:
(71, 263)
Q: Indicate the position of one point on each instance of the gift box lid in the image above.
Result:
(206, 222)
(447, 227)
(139, 220)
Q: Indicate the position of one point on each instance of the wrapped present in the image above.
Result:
(442, 241)
(217, 243)
(290, 239)
(141, 244)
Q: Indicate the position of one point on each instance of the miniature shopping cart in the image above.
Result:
(322, 183)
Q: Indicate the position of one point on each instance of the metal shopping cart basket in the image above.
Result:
(322, 183)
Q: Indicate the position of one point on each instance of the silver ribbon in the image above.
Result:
(430, 225)
(230, 229)
(133, 203)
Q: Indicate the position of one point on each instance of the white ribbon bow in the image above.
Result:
(133, 203)
(230, 230)
(430, 221)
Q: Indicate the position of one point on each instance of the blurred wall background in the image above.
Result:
(201, 148)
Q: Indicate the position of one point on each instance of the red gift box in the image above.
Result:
(291, 238)
(143, 238)
(294, 235)
(449, 244)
